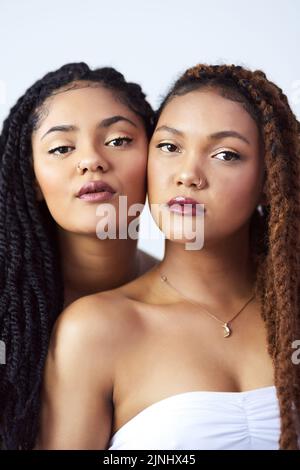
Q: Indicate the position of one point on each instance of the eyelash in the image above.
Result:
(166, 144)
(60, 148)
(227, 152)
(128, 140)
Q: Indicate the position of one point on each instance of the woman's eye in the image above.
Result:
(61, 150)
(119, 142)
(227, 156)
(167, 147)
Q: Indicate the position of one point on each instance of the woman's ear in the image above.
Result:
(263, 201)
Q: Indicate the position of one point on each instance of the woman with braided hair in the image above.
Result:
(76, 137)
(201, 355)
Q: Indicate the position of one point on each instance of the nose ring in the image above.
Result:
(199, 185)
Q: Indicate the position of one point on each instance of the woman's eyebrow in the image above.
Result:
(224, 134)
(112, 120)
(215, 136)
(169, 129)
(103, 124)
(61, 128)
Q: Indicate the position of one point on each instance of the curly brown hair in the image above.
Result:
(275, 230)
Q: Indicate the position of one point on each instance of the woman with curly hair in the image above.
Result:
(76, 139)
(198, 352)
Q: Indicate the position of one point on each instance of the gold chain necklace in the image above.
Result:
(227, 328)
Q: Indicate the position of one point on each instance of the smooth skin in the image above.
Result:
(115, 353)
(86, 124)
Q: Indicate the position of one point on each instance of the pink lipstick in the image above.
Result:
(185, 206)
(96, 191)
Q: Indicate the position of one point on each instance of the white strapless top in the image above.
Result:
(205, 420)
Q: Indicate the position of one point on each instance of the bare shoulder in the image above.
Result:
(87, 339)
(89, 336)
(96, 321)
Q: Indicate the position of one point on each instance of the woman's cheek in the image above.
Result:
(133, 180)
(52, 187)
(235, 207)
(158, 182)
(55, 185)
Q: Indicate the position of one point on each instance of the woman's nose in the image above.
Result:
(93, 162)
(190, 175)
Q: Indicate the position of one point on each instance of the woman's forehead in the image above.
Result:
(207, 110)
(81, 104)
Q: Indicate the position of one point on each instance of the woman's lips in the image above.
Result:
(102, 196)
(96, 191)
(185, 206)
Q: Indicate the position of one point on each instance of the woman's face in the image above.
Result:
(91, 128)
(206, 148)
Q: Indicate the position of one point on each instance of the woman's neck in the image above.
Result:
(91, 265)
(214, 276)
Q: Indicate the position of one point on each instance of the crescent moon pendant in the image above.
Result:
(227, 330)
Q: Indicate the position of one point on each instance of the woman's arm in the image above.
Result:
(77, 408)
